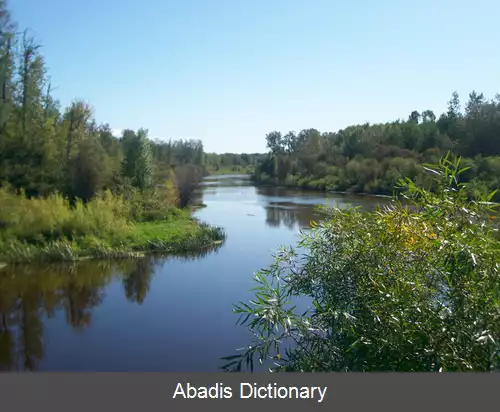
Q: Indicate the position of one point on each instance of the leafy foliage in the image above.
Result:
(412, 287)
(107, 226)
(70, 187)
(231, 163)
(371, 158)
(46, 150)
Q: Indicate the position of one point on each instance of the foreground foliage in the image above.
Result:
(413, 287)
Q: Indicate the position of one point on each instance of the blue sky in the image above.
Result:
(230, 71)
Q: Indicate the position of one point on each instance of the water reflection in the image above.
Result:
(294, 209)
(298, 197)
(30, 294)
(124, 315)
(289, 215)
(137, 280)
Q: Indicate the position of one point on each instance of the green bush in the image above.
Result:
(36, 220)
(318, 184)
(412, 287)
(304, 182)
(291, 181)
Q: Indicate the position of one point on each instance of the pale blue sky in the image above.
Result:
(229, 71)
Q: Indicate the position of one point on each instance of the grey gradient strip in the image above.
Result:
(144, 392)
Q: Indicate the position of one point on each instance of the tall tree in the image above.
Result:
(137, 165)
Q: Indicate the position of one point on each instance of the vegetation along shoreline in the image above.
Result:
(108, 226)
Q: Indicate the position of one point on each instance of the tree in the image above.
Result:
(414, 117)
(320, 160)
(76, 119)
(30, 67)
(137, 164)
(428, 116)
(290, 143)
(454, 106)
(7, 37)
(275, 142)
(143, 161)
(88, 170)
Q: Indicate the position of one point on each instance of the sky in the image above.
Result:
(230, 71)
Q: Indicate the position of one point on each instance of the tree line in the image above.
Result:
(370, 158)
(46, 148)
(232, 162)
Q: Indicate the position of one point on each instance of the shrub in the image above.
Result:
(406, 288)
(36, 220)
(291, 181)
(153, 203)
(332, 181)
(317, 184)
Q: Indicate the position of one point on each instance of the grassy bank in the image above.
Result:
(49, 229)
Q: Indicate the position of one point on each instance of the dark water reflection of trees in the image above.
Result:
(289, 215)
(29, 294)
(285, 207)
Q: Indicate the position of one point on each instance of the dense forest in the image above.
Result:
(69, 187)
(370, 158)
(45, 148)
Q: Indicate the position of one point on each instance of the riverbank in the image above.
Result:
(183, 234)
(322, 189)
(108, 226)
(138, 300)
(316, 188)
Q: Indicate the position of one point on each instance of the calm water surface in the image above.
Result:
(154, 314)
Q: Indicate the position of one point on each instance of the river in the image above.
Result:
(154, 314)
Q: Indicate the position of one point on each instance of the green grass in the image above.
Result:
(179, 234)
(176, 235)
(51, 229)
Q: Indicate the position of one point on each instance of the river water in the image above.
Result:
(154, 314)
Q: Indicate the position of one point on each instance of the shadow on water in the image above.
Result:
(30, 294)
